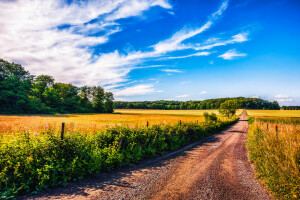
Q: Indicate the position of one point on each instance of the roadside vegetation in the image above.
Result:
(276, 154)
(31, 163)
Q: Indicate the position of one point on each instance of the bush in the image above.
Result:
(210, 117)
(29, 165)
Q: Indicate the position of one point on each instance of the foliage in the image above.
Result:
(210, 117)
(22, 93)
(291, 107)
(228, 108)
(244, 103)
(276, 158)
(31, 164)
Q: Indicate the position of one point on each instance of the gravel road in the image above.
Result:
(214, 168)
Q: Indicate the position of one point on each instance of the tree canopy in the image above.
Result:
(244, 103)
(23, 93)
(228, 108)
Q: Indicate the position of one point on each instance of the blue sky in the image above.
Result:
(160, 49)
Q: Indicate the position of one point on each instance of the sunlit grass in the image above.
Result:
(274, 113)
(276, 155)
(91, 123)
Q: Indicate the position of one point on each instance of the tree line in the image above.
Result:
(23, 93)
(242, 102)
(291, 107)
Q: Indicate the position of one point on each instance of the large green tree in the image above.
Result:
(228, 108)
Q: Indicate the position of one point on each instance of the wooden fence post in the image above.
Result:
(62, 131)
(197, 121)
(147, 123)
(179, 122)
(276, 132)
(267, 126)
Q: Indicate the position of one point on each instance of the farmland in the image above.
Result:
(274, 147)
(91, 123)
(34, 156)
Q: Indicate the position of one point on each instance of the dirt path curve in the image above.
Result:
(214, 168)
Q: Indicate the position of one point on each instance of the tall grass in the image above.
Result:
(30, 164)
(276, 157)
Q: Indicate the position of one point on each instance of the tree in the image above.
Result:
(15, 84)
(97, 94)
(228, 108)
(109, 102)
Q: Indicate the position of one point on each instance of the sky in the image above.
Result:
(160, 49)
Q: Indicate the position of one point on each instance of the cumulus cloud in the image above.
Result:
(203, 92)
(229, 55)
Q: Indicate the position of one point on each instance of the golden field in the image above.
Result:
(90, 123)
(274, 113)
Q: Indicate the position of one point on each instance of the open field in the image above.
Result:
(90, 123)
(32, 161)
(273, 113)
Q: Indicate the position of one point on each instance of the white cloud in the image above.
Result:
(182, 96)
(203, 92)
(135, 7)
(136, 90)
(229, 55)
(171, 70)
(175, 42)
(255, 97)
(215, 42)
(120, 99)
(283, 98)
(185, 82)
(29, 35)
(204, 53)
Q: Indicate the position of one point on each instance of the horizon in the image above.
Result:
(215, 49)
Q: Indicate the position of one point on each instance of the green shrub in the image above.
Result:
(29, 165)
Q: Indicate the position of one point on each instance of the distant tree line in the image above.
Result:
(21, 92)
(290, 107)
(244, 103)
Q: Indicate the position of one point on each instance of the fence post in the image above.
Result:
(276, 132)
(147, 123)
(267, 126)
(197, 121)
(179, 122)
(62, 131)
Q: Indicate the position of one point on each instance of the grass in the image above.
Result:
(91, 123)
(274, 113)
(31, 163)
(276, 156)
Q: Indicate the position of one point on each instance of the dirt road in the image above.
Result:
(214, 168)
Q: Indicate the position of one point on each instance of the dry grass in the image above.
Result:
(90, 123)
(276, 155)
(274, 113)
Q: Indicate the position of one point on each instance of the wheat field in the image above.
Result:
(91, 123)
